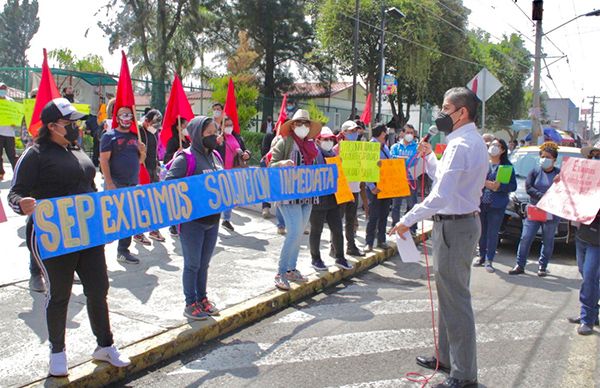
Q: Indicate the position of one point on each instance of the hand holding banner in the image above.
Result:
(576, 196)
(343, 193)
(359, 160)
(393, 182)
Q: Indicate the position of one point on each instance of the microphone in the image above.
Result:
(430, 133)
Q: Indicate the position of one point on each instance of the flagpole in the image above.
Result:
(179, 132)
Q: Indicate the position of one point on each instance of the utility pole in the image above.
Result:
(381, 62)
(536, 130)
(592, 120)
(355, 60)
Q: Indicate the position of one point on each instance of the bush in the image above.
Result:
(253, 142)
(246, 94)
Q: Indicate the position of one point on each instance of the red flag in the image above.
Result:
(282, 114)
(125, 97)
(366, 115)
(231, 106)
(178, 106)
(47, 91)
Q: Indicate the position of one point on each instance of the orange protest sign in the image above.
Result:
(344, 194)
(393, 182)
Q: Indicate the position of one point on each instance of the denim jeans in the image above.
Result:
(227, 215)
(530, 228)
(296, 217)
(588, 261)
(378, 214)
(491, 220)
(411, 200)
(280, 220)
(198, 242)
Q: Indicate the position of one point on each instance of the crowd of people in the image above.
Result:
(465, 215)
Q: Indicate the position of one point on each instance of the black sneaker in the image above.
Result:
(577, 321)
(127, 258)
(354, 251)
(584, 329)
(383, 245)
(542, 272)
(318, 265)
(173, 231)
(227, 225)
(343, 264)
(517, 270)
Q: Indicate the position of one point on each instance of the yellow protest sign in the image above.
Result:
(393, 182)
(359, 160)
(343, 194)
(29, 105)
(11, 113)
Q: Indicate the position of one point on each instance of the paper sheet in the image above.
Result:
(407, 249)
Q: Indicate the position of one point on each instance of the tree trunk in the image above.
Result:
(269, 85)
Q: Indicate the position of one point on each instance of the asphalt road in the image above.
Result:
(366, 333)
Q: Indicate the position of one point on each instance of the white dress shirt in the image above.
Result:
(459, 177)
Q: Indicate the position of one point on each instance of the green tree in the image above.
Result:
(280, 34)
(316, 114)
(67, 60)
(19, 22)
(162, 35)
(246, 94)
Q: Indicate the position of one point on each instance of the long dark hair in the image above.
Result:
(504, 155)
(43, 135)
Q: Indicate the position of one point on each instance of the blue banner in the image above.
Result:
(73, 223)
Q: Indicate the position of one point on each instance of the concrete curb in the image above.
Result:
(171, 342)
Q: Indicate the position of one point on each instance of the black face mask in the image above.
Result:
(210, 142)
(444, 122)
(70, 97)
(72, 133)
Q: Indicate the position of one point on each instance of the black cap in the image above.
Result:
(60, 108)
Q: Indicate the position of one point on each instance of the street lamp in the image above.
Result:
(537, 10)
(396, 13)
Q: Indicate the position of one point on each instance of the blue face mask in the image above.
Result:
(546, 163)
(351, 136)
(3, 92)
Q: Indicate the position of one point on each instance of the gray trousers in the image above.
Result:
(454, 242)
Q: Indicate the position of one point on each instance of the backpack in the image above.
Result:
(190, 160)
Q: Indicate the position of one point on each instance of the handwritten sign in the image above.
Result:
(359, 160)
(73, 223)
(11, 113)
(29, 105)
(577, 196)
(393, 182)
(343, 193)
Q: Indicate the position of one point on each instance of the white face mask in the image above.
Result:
(494, 150)
(217, 113)
(326, 145)
(301, 131)
(228, 130)
(151, 129)
(408, 138)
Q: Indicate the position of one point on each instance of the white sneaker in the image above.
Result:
(111, 354)
(58, 365)
(266, 213)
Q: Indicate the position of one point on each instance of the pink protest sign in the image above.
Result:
(577, 196)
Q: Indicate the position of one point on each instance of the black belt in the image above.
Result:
(445, 217)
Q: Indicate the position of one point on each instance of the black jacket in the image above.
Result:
(265, 146)
(48, 170)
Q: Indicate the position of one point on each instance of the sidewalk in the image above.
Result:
(146, 300)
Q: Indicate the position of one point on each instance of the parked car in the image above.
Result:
(524, 160)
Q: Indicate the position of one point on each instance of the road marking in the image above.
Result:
(252, 354)
(390, 307)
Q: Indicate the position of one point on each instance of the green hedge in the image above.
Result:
(253, 142)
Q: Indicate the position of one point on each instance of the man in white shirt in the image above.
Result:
(454, 204)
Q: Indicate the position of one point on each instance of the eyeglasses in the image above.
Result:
(301, 122)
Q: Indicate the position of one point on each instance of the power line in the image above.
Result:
(523, 12)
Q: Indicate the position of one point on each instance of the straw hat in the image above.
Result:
(585, 151)
(301, 115)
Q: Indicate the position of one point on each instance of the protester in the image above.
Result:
(349, 209)
(493, 203)
(537, 183)
(406, 149)
(587, 245)
(378, 208)
(521, 143)
(234, 154)
(267, 126)
(296, 147)
(149, 133)
(55, 167)
(327, 210)
(69, 93)
(217, 110)
(198, 237)
(7, 137)
(120, 158)
(488, 138)
(265, 147)
(513, 145)
(454, 204)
